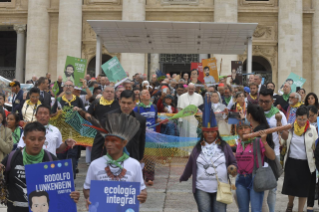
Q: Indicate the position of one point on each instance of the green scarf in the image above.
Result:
(227, 99)
(285, 96)
(32, 159)
(116, 162)
(244, 143)
(141, 104)
(272, 112)
(16, 135)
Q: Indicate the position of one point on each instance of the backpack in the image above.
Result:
(12, 156)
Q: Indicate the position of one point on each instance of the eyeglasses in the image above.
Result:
(69, 86)
(264, 102)
(301, 120)
(291, 97)
(34, 97)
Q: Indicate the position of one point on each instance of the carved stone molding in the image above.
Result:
(179, 2)
(268, 52)
(99, 2)
(20, 28)
(160, 3)
(88, 32)
(262, 31)
(270, 3)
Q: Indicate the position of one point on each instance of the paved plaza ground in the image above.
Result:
(167, 194)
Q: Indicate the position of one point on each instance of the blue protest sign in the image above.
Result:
(116, 196)
(49, 186)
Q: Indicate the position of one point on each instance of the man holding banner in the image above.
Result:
(117, 130)
(14, 167)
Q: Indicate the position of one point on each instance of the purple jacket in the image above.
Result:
(191, 166)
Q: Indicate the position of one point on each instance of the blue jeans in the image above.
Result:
(206, 202)
(245, 193)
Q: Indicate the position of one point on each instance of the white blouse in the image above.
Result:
(297, 147)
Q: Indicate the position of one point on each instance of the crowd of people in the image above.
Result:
(124, 113)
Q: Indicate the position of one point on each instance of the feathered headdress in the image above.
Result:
(121, 125)
(116, 124)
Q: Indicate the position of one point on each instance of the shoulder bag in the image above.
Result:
(224, 194)
(263, 177)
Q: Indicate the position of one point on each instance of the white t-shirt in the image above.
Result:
(273, 123)
(53, 139)
(206, 175)
(96, 171)
(297, 148)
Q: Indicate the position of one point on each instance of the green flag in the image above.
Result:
(55, 89)
(190, 110)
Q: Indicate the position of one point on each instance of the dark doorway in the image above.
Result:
(177, 63)
(8, 51)
(260, 66)
(91, 65)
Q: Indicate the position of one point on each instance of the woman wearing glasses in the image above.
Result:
(30, 106)
(299, 163)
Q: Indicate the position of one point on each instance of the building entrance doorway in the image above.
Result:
(8, 52)
(91, 65)
(177, 63)
(260, 66)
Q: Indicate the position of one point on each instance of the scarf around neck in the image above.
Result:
(286, 96)
(300, 130)
(16, 135)
(116, 162)
(32, 159)
(30, 103)
(273, 110)
(67, 101)
(227, 99)
(141, 104)
(296, 105)
(105, 102)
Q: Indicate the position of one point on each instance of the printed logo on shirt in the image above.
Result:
(19, 167)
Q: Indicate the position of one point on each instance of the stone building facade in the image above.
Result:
(37, 35)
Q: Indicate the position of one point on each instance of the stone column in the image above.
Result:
(289, 39)
(133, 10)
(20, 29)
(155, 64)
(315, 48)
(225, 11)
(37, 54)
(69, 32)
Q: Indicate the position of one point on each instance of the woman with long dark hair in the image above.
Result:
(13, 123)
(208, 164)
(255, 121)
(312, 99)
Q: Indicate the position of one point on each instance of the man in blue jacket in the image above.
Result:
(17, 100)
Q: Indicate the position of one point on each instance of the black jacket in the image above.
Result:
(17, 104)
(135, 146)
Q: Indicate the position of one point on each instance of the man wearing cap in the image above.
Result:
(17, 100)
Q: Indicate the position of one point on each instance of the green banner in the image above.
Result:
(55, 89)
(295, 81)
(114, 70)
(74, 70)
(190, 110)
